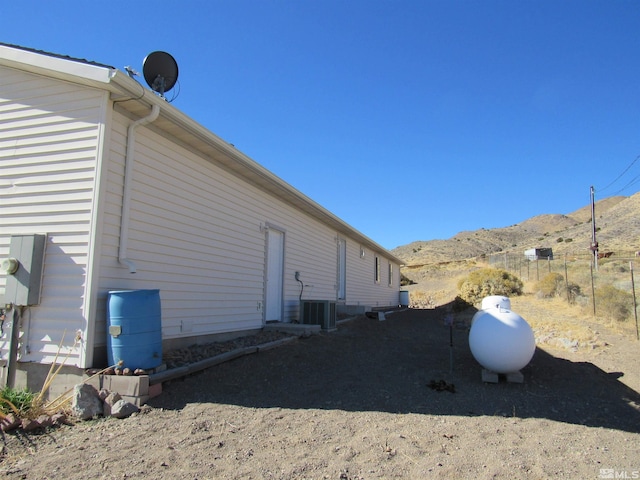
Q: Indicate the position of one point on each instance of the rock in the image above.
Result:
(123, 409)
(86, 403)
(29, 425)
(60, 419)
(109, 402)
(10, 422)
(103, 393)
(45, 420)
(127, 372)
(139, 371)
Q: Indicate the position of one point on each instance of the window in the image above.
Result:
(377, 270)
(390, 274)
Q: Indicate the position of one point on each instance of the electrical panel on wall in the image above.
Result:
(24, 269)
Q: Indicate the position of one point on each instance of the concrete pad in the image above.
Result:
(515, 377)
(489, 377)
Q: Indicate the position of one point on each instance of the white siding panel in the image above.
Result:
(49, 135)
(195, 233)
(186, 238)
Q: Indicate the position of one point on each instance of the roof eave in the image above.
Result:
(57, 67)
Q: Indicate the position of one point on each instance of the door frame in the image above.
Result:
(270, 299)
(341, 283)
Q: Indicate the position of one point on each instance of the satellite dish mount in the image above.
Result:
(160, 71)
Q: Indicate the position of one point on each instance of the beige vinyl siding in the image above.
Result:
(49, 135)
(362, 289)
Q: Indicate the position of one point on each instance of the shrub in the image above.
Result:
(617, 304)
(404, 280)
(488, 281)
(16, 401)
(550, 285)
(554, 285)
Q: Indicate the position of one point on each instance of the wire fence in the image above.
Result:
(604, 287)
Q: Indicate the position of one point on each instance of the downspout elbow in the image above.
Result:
(126, 196)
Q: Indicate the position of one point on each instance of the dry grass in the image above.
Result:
(556, 323)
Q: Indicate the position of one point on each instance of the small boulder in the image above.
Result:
(109, 401)
(103, 393)
(10, 422)
(60, 419)
(86, 403)
(29, 425)
(123, 409)
(45, 421)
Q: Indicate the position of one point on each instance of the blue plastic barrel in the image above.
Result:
(134, 331)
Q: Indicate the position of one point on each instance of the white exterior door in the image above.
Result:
(274, 280)
(342, 268)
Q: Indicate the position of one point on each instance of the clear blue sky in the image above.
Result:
(410, 120)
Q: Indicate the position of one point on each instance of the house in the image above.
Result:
(539, 254)
(105, 186)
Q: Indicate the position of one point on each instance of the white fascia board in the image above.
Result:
(54, 66)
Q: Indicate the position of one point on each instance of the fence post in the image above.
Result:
(635, 306)
(593, 290)
(566, 279)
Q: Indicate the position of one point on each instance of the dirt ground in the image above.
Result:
(356, 403)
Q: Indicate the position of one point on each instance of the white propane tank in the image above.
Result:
(501, 340)
(496, 301)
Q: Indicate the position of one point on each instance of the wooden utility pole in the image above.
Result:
(594, 242)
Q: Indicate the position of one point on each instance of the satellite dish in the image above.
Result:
(160, 71)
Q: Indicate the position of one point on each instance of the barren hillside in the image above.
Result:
(617, 223)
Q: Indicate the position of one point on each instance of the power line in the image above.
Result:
(620, 176)
(633, 181)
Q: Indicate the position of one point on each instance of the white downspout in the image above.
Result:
(126, 195)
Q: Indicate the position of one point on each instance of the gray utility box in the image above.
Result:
(24, 284)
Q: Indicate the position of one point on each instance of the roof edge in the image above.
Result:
(57, 66)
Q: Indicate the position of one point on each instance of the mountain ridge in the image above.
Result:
(617, 221)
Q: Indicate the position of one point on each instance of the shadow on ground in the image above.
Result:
(372, 365)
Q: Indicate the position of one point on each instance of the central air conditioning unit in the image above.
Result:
(318, 312)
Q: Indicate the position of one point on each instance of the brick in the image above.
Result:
(134, 386)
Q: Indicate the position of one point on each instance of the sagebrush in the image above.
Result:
(488, 281)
